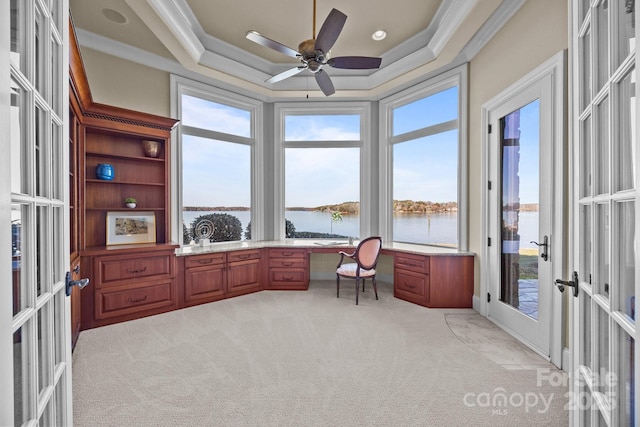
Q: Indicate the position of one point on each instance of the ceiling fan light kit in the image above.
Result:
(314, 53)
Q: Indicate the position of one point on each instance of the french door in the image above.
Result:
(523, 196)
(34, 311)
(604, 255)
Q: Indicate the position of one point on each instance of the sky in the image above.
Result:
(217, 173)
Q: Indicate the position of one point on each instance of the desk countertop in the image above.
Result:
(319, 245)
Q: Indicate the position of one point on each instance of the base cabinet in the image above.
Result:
(288, 269)
(215, 276)
(434, 281)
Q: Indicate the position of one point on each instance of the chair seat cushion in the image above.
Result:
(350, 271)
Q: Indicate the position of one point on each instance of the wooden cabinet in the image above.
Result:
(129, 283)
(411, 278)
(288, 269)
(214, 276)
(435, 281)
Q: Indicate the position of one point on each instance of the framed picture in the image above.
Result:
(126, 228)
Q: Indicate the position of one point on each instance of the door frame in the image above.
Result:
(555, 67)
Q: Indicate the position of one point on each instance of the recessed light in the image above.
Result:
(379, 35)
(114, 16)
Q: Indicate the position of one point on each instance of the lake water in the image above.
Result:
(438, 228)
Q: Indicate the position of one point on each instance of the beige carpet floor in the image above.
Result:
(286, 358)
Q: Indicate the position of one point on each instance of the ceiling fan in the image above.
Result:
(314, 53)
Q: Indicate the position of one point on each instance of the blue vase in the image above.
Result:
(104, 171)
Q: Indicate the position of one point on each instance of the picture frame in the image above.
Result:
(129, 228)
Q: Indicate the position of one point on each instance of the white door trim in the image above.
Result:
(555, 68)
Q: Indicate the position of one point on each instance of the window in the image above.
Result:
(322, 151)
(422, 154)
(216, 151)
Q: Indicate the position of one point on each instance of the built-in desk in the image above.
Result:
(426, 275)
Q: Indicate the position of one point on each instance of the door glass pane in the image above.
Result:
(41, 155)
(627, 381)
(40, 58)
(602, 348)
(57, 183)
(602, 144)
(20, 376)
(585, 158)
(602, 67)
(585, 243)
(42, 274)
(42, 339)
(626, 127)
(18, 36)
(585, 68)
(626, 241)
(625, 31)
(601, 285)
(57, 305)
(56, 81)
(585, 330)
(19, 257)
(18, 138)
(520, 200)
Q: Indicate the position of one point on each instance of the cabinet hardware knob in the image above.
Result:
(140, 270)
(133, 301)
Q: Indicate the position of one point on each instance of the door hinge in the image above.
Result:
(489, 185)
(489, 241)
(489, 128)
(488, 297)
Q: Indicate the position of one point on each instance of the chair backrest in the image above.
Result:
(368, 251)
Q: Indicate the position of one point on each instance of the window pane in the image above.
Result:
(318, 127)
(625, 28)
(627, 132)
(602, 144)
(438, 108)
(18, 136)
(216, 182)
(626, 258)
(18, 35)
(21, 370)
(585, 158)
(318, 183)
(602, 15)
(585, 243)
(19, 257)
(585, 68)
(425, 190)
(601, 285)
(627, 379)
(205, 114)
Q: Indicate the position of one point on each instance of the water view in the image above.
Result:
(434, 228)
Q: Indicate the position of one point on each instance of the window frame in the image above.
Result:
(454, 77)
(281, 110)
(182, 86)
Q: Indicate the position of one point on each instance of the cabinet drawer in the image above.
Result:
(112, 303)
(287, 253)
(287, 275)
(415, 263)
(114, 269)
(287, 263)
(409, 282)
(243, 255)
(204, 260)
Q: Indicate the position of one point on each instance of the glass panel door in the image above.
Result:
(37, 188)
(605, 214)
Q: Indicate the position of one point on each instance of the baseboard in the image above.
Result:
(477, 304)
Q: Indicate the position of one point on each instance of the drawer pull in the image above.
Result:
(288, 278)
(287, 253)
(409, 286)
(244, 256)
(140, 270)
(287, 264)
(205, 261)
(137, 300)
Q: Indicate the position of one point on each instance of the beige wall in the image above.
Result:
(121, 83)
(535, 33)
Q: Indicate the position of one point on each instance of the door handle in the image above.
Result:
(71, 283)
(545, 248)
(571, 283)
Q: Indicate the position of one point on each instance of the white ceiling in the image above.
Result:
(207, 38)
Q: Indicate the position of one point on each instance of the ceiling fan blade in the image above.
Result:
(285, 74)
(330, 30)
(256, 37)
(355, 62)
(324, 81)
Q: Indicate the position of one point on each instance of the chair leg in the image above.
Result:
(362, 285)
(337, 286)
(375, 288)
(357, 291)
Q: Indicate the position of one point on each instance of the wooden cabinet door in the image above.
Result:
(243, 277)
(205, 284)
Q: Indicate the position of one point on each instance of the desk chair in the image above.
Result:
(366, 258)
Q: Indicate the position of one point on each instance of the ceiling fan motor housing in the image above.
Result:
(314, 59)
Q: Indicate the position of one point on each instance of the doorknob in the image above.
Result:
(545, 246)
(572, 283)
(71, 283)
